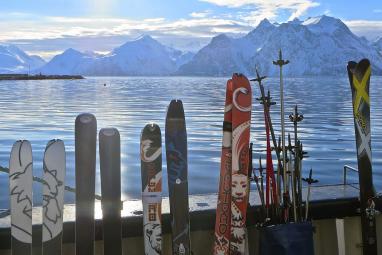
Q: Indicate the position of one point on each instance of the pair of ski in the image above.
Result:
(151, 171)
(20, 171)
(85, 167)
(230, 225)
(20, 184)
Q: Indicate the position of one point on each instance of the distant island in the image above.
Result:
(4, 77)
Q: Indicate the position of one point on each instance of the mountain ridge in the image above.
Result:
(319, 45)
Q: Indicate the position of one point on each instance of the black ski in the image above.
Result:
(110, 166)
(176, 156)
(359, 77)
(85, 162)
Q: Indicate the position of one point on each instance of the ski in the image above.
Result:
(54, 168)
(151, 172)
(110, 166)
(359, 78)
(223, 209)
(85, 163)
(241, 121)
(20, 187)
(176, 157)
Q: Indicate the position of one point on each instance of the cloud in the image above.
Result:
(203, 14)
(260, 9)
(377, 10)
(49, 35)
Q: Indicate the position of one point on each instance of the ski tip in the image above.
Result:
(363, 64)
(21, 143)
(151, 129)
(108, 132)
(85, 118)
(55, 142)
(175, 110)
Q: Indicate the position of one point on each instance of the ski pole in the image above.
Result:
(280, 62)
(293, 181)
(309, 180)
(295, 118)
(266, 109)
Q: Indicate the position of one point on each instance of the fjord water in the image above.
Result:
(43, 110)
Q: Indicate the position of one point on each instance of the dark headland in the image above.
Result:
(39, 77)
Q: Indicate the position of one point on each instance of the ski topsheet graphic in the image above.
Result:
(359, 77)
(20, 186)
(230, 229)
(151, 172)
(223, 210)
(241, 121)
(54, 167)
(176, 157)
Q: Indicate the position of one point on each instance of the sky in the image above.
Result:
(48, 27)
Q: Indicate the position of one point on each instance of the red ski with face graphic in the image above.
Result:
(223, 209)
(241, 121)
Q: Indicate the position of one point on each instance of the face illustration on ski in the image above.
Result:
(151, 172)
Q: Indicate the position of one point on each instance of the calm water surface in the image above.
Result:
(43, 110)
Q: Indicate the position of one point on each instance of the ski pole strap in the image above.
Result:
(152, 197)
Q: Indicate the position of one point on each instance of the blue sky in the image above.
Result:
(47, 27)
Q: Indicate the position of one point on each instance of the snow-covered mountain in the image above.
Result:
(69, 62)
(144, 56)
(14, 60)
(316, 46)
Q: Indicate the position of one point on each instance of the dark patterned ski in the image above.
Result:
(359, 77)
(85, 161)
(151, 172)
(54, 167)
(20, 187)
(223, 209)
(176, 157)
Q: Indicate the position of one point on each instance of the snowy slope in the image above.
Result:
(69, 62)
(316, 46)
(14, 60)
(378, 45)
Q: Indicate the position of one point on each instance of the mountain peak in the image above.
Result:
(220, 38)
(71, 51)
(264, 24)
(295, 21)
(324, 24)
(145, 39)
